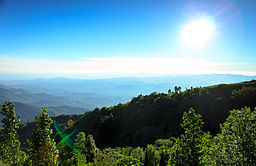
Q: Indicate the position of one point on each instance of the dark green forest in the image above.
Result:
(212, 125)
(147, 118)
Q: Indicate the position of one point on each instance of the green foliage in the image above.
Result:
(86, 146)
(163, 147)
(157, 115)
(138, 153)
(143, 121)
(65, 155)
(177, 89)
(236, 144)
(164, 143)
(107, 156)
(129, 161)
(125, 156)
(42, 147)
(80, 142)
(189, 148)
(126, 151)
(91, 148)
(78, 160)
(149, 117)
(10, 151)
(25, 129)
(164, 156)
(151, 156)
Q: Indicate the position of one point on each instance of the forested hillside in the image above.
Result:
(234, 145)
(63, 121)
(152, 130)
(147, 118)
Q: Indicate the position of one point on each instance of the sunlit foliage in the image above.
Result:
(10, 152)
(142, 124)
(42, 147)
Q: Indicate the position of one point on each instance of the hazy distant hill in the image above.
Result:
(40, 99)
(28, 111)
(67, 110)
(69, 91)
(124, 85)
(111, 91)
(28, 104)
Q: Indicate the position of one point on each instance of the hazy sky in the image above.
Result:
(126, 38)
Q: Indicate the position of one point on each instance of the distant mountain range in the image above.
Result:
(28, 104)
(40, 99)
(28, 111)
(75, 96)
(127, 86)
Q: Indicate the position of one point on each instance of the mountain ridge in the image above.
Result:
(146, 118)
(158, 115)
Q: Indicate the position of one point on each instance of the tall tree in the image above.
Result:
(190, 146)
(164, 157)
(86, 146)
(91, 148)
(43, 149)
(9, 144)
(151, 158)
(236, 144)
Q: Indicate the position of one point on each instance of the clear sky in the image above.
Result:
(112, 38)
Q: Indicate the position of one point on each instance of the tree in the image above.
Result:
(177, 89)
(107, 156)
(86, 146)
(138, 153)
(70, 123)
(129, 161)
(164, 146)
(9, 143)
(65, 154)
(151, 157)
(80, 143)
(236, 144)
(91, 148)
(190, 146)
(43, 150)
(169, 92)
(164, 157)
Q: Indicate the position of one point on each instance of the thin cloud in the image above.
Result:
(123, 66)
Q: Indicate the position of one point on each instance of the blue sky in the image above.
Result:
(124, 38)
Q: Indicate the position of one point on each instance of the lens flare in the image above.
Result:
(66, 138)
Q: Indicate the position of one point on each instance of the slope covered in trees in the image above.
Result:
(64, 121)
(147, 118)
(234, 145)
(183, 131)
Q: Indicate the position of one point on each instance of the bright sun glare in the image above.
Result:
(197, 32)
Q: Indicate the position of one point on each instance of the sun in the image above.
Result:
(198, 32)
